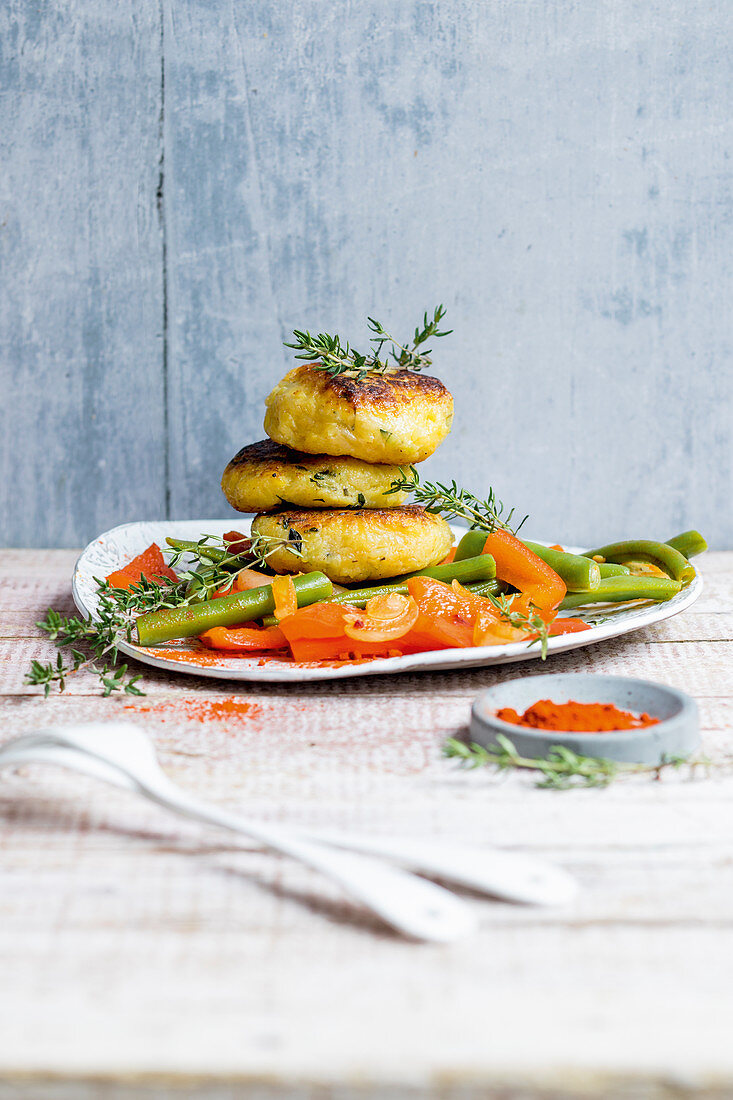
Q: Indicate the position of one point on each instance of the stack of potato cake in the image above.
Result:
(321, 481)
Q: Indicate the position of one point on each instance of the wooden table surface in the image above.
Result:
(143, 956)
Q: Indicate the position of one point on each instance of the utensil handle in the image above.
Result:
(501, 874)
(417, 908)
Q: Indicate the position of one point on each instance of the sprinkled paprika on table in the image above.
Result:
(576, 717)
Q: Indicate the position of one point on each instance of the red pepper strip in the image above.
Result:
(316, 633)
(428, 634)
(285, 596)
(318, 620)
(225, 590)
(518, 566)
(444, 601)
(567, 626)
(150, 564)
(446, 616)
(346, 649)
(236, 543)
(250, 578)
(240, 639)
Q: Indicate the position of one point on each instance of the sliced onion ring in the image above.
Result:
(384, 619)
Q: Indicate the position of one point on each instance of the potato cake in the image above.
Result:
(397, 417)
(351, 546)
(266, 475)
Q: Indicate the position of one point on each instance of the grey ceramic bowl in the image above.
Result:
(677, 734)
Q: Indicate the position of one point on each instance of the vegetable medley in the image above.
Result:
(492, 589)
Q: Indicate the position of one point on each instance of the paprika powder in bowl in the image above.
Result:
(628, 720)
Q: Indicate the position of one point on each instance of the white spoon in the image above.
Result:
(417, 908)
(502, 874)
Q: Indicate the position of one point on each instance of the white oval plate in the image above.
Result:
(120, 545)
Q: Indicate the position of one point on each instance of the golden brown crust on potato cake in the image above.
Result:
(351, 546)
(395, 418)
(267, 475)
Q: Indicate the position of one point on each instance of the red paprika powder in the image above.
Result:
(576, 717)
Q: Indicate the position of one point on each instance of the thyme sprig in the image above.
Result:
(456, 503)
(91, 644)
(217, 565)
(329, 354)
(563, 769)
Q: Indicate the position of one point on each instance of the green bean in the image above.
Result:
(658, 553)
(489, 588)
(240, 607)
(620, 589)
(471, 544)
(481, 568)
(689, 543)
(579, 572)
(356, 597)
(359, 597)
(611, 569)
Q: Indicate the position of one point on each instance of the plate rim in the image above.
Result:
(430, 661)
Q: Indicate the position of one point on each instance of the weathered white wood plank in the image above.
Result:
(81, 312)
(541, 1007)
(141, 954)
(180, 705)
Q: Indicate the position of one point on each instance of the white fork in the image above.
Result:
(116, 752)
(122, 755)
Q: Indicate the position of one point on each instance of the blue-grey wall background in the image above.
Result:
(183, 182)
